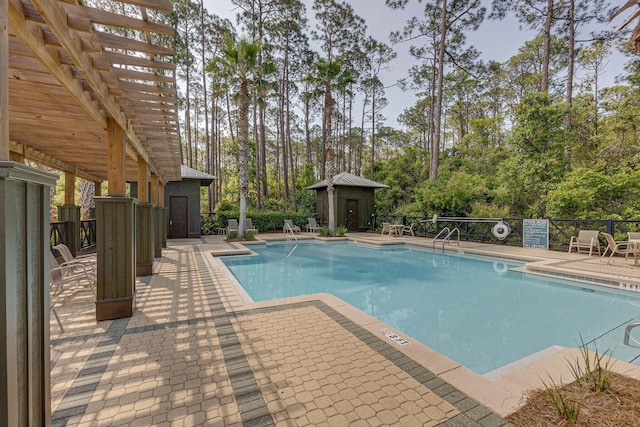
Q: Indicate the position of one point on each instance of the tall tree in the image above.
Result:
(240, 61)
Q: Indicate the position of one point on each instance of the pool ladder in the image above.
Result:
(289, 229)
(627, 331)
(447, 237)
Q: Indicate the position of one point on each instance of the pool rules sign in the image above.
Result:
(535, 233)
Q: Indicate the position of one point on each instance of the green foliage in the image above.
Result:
(208, 224)
(248, 235)
(588, 193)
(593, 375)
(232, 235)
(323, 231)
(341, 231)
(265, 220)
(565, 407)
(452, 194)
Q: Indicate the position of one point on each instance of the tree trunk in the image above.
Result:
(570, 67)
(243, 136)
(373, 128)
(435, 146)
(544, 83)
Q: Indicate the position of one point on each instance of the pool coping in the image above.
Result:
(502, 390)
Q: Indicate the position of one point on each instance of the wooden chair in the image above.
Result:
(586, 239)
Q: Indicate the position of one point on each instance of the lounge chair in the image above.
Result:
(88, 260)
(586, 239)
(288, 225)
(623, 248)
(69, 272)
(633, 237)
(312, 225)
(248, 226)
(232, 225)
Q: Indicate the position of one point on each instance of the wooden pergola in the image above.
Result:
(87, 88)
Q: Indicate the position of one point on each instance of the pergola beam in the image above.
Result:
(56, 18)
(4, 81)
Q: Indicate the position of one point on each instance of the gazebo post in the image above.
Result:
(145, 224)
(115, 236)
(71, 213)
(162, 226)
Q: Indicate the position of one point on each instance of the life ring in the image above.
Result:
(500, 267)
(501, 230)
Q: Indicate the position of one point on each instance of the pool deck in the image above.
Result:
(194, 353)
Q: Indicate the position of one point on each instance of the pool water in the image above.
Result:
(472, 309)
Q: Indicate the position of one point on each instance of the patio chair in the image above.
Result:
(386, 228)
(248, 226)
(232, 225)
(89, 260)
(633, 237)
(586, 239)
(312, 225)
(73, 272)
(288, 225)
(407, 229)
(623, 248)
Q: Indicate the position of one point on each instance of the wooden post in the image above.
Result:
(71, 213)
(143, 180)
(115, 159)
(116, 236)
(145, 224)
(25, 381)
(154, 190)
(163, 221)
(158, 215)
(4, 81)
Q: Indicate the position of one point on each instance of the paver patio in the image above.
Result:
(195, 354)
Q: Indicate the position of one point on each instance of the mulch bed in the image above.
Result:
(619, 407)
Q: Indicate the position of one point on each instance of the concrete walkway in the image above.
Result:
(195, 353)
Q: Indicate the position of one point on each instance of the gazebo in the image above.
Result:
(91, 93)
(353, 201)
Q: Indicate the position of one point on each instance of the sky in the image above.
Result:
(496, 40)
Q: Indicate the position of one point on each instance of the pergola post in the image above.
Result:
(158, 214)
(71, 213)
(163, 222)
(115, 236)
(145, 224)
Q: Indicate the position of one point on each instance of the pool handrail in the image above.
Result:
(455, 230)
(627, 331)
(433, 244)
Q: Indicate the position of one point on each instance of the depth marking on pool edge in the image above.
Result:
(394, 337)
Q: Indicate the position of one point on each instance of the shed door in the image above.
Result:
(352, 214)
(178, 216)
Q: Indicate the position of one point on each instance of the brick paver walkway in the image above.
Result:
(187, 358)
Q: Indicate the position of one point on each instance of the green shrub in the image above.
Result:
(232, 235)
(265, 220)
(248, 235)
(341, 231)
(323, 231)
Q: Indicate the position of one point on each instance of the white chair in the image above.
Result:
(312, 225)
(88, 260)
(288, 225)
(248, 226)
(623, 248)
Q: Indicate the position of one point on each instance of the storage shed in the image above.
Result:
(354, 201)
(183, 201)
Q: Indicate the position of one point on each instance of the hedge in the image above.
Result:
(262, 220)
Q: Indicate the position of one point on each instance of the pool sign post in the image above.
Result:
(535, 233)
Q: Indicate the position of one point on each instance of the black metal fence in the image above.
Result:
(479, 230)
(59, 233)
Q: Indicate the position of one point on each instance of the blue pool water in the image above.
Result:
(469, 308)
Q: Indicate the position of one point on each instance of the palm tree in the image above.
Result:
(330, 74)
(239, 61)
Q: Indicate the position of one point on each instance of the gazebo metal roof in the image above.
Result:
(347, 180)
(190, 173)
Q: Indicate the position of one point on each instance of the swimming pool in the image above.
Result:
(475, 310)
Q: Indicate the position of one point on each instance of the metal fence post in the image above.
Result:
(610, 227)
